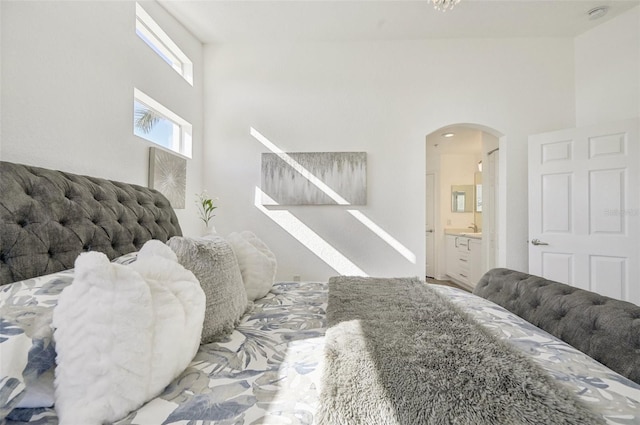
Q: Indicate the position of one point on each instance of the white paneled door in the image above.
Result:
(584, 208)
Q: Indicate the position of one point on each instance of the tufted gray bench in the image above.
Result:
(48, 217)
(606, 329)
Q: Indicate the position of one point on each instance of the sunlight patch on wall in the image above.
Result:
(366, 221)
(393, 242)
(310, 239)
(299, 168)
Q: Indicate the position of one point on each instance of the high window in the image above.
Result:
(149, 31)
(158, 124)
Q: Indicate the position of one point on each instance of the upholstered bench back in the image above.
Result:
(604, 328)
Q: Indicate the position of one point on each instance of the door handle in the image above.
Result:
(537, 242)
(430, 231)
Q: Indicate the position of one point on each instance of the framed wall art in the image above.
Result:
(314, 178)
(168, 175)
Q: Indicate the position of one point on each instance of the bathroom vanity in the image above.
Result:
(463, 257)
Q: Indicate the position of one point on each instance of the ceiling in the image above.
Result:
(218, 21)
(465, 139)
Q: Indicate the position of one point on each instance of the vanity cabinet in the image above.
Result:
(463, 259)
(475, 261)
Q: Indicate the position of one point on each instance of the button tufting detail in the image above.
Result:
(38, 188)
(597, 325)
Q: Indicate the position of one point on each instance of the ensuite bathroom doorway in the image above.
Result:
(461, 183)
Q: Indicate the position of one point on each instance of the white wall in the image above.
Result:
(68, 73)
(608, 71)
(382, 98)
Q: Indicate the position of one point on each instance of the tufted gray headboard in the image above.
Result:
(48, 217)
(606, 329)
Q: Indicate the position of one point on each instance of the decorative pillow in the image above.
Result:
(27, 349)
(212, 261)
(123, 333)
(260, 246)
(257, 263)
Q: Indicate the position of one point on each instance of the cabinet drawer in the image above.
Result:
(463, 266)
(462, 243)
(458, 261)
(464, 276)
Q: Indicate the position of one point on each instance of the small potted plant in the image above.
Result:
(205, 210)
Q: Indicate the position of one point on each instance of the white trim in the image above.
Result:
(182, 138)
(162, 42)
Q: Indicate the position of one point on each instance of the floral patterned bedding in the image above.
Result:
(268, 370)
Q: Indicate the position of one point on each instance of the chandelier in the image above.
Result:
(444, 5)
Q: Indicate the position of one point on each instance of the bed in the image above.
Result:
(311, 352)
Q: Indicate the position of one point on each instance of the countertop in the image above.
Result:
(468, 233)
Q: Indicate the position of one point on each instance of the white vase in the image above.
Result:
(211, 229)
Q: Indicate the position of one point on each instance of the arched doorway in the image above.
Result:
(462, 163)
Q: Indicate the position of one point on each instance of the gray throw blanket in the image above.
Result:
(398, 353)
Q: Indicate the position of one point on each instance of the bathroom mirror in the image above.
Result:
(462, 199)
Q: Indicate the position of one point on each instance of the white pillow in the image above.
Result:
(257, 263)
(123, 333)
(260, 246)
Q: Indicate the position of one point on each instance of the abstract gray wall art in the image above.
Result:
(168, 175)
(344, 173)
